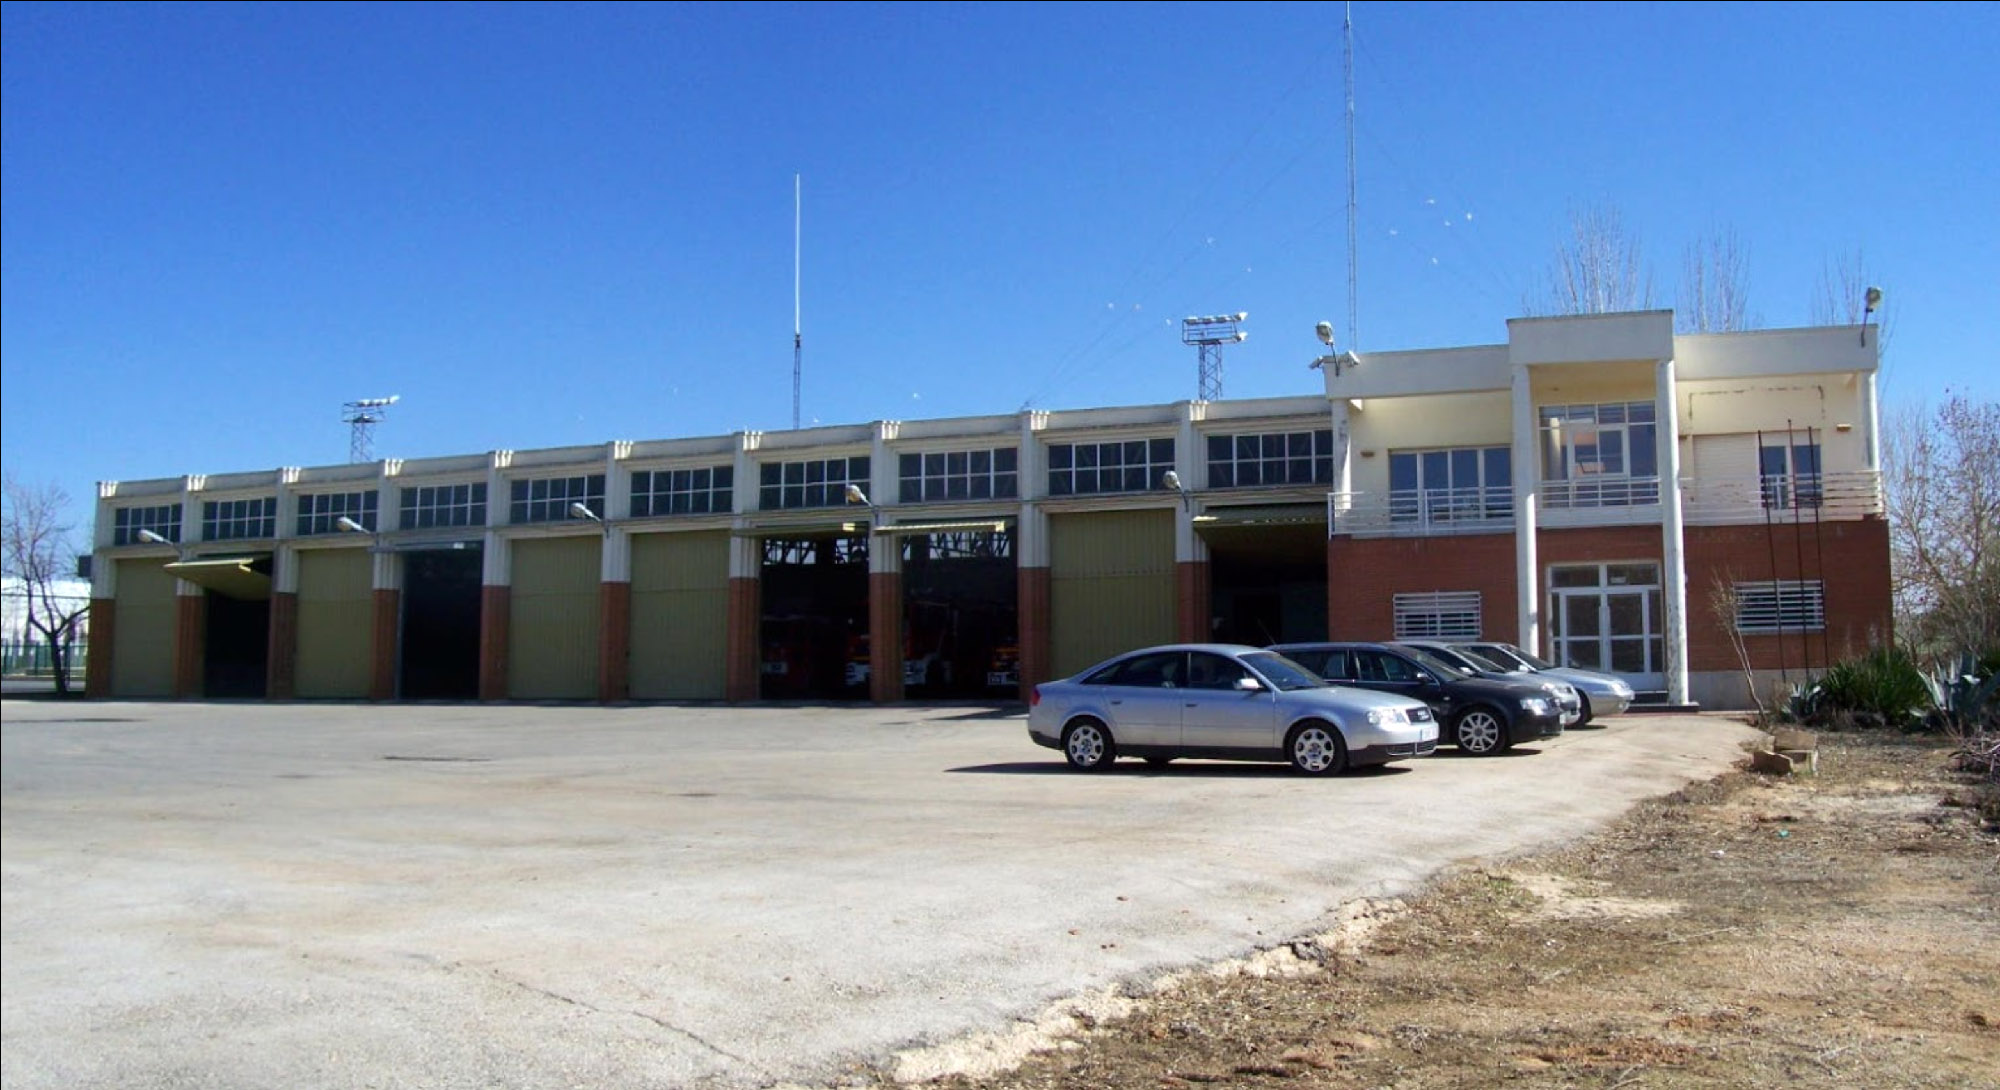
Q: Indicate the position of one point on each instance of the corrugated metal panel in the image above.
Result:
(142, 645)
(336, 622)
(1111, 585)
(553, 619)
(680, 615)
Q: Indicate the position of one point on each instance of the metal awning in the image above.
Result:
(911, 529)
(1269, 514)
(229, 576)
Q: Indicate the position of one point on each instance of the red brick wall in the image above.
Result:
(282, 648)
(614, 642)
(1363, 576)
(1192, 594)
(746, 618)
(1033, 604)
(1850, 558)
(495, 613)
(382, 645)
(103, 637)
(190, 644)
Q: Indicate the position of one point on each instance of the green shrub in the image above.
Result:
(1882, 687)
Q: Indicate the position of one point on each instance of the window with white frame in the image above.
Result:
(235, 520)
(164, 520)
(1781, 605)
(1438, 615)
(821, 482)
(1789, 473)
(1600, 455)
(1270, 458)
(708, 490)
(548, 499)
(958, 475)
(1133, 465)
(1451, 484)
(426, 506)
(320, 513)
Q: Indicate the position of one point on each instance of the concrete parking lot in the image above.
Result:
(252, 895)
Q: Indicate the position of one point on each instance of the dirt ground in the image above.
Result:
(1834, 930)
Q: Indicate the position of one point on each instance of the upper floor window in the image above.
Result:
(821, 482)
(164, 520)
(225, 520)
(958, 475)
(1270, 458)
(1443, 485)
(321, 513)
(426, 506)
(548, 499)
(1134, 465)
(1789, 473)
(1600, 455)
(710, 490)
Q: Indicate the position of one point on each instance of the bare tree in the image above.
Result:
(1715, 286)
(1942, 477)
(38, 550)
(1727, 602)
(1597, 270)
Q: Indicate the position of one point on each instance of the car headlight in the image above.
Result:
(1535, 705)
(1623, 690)
(1378, 717)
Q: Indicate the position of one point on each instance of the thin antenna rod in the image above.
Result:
(1353, 291)
(798, 341)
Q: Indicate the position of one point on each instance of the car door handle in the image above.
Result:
(1118, 702)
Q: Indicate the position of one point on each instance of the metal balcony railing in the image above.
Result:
(1429, 512)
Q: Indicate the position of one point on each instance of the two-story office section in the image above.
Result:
(1617, 497)
(939, 558)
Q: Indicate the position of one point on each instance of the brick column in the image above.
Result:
(382, 648)
(494, 614)
(103, 637)
(190, 644)
(744, 636)
(1192, 601)
(885, 634)
(614, 642)
(282, 648)
(1032, 615)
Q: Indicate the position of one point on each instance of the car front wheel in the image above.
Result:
(1480, 732)
(1315, 749)
(1088, 747)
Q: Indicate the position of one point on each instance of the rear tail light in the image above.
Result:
(1034, 696)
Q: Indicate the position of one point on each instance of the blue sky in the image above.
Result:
(568, 224)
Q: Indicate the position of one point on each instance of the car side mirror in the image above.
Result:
(1249, 685)
(1424, 678)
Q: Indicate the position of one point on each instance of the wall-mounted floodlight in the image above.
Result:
(1325, 332)
(580, 510)
(348, 525)
(853, 494)
(1171, 479)
(1869, 301)
(151, 538)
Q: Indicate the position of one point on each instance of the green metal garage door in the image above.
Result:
(142, 643)
(1111, 585)
(553, 620)
(680, 615)
(336, 622)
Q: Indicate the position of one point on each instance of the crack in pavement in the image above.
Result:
(655, 1019)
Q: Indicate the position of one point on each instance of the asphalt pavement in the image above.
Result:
(445, 896)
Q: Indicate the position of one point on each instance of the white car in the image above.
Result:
(1223, 702)
(1602, 694)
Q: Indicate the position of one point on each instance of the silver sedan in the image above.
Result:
(1223, 702)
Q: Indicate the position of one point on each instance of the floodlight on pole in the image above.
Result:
(361, 416)
(149, 537)
(1207, 336)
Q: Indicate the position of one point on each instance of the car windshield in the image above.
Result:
(1283, 672)
(1458, 661)
(1437, 665)
(1482, 662)
(1532, 660)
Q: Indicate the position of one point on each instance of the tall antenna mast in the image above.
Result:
(798, 341)
(1207, 336)
(361, 416)
(1353, 307)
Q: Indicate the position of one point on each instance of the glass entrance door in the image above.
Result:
(1609, 617)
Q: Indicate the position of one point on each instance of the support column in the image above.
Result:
(1673, 562)
(744, 628)
(614, 625)
(103, 637)
(384, 644)
(1192, 601)
(1033, 600)
(885, 632)
(281, 647)
(190, 639)
(1527, 478)
(495, 604)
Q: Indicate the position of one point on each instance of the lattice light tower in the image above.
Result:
(361, 417)
(1208, 335)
